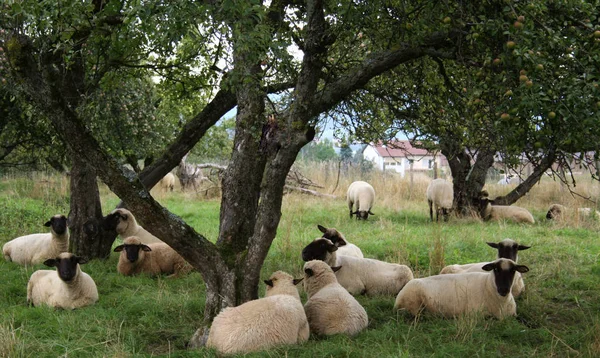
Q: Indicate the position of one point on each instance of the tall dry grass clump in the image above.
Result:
(10, 344)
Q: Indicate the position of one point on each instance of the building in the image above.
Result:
(399, 156)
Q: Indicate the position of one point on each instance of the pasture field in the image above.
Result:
(558, 315)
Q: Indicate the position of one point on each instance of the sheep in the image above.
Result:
(360, 276)
(124, 223)
(441, 196)
(503, 212)
(35, 248)
(464, 293)
(167, 183)
(344, 247)
(278, 318)
(363, 195)
(68, 287)
(153, 259)
(330, 309)
(507, 249)
(560, 212)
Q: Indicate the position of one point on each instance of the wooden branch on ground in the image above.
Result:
(310, 192)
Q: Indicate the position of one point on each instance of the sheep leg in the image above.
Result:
(430, 210)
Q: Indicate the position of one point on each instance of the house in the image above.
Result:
(399, 156)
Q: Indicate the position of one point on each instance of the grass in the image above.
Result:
(558, 315)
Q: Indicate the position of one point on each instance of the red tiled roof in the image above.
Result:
(400, 148)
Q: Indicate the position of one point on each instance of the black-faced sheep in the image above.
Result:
(362, 195)
(360, 276)
(440, 196)
(464, 293)
(152, 259)
(503, 212)
(344, 247)
(561, 212)
(36, 248)
(67, 287)
(330, 309)
(276, 319)
(124, 223)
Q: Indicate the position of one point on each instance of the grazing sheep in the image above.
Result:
(276, 319)
(503, 212)
(36, 248)
(330, 309)
(344, 247)
(123, 222)
(561, 212)
(463, 293)
(67, 287)
(441, 196)
(167, 183)
(507, 249)
(360, 276)
(363, 195)
(153, 259)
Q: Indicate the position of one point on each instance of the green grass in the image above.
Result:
(558, 315)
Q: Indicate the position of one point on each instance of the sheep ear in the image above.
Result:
(354, 213)
(332, 248)
(336, 268)
(119, 248)
(297, 280)
(489, 267)
(81, 260)
(124, 217)
(340, 242)
(323, 229)
(493, 244)
(51, 262)
(48, 223)
(269, 282)
(370, 213)
(523, 247)
(146, 247)
(309, 272)
(521, 268)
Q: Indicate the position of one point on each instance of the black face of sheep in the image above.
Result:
(508, 250)
(362, 215)
(481, 204)
(333, 235)
(132, 252)
(318, 249)
(66, 266)
(552, 213)
(110, 221)
(504, 274)
(58, 223)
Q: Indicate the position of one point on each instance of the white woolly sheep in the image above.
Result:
(68, 287)
(503, 212)
(36, 248)
(464, 293)
(124, 223)
(362, 195)
(507, 249)
(167, 183)
(344, 247)
(440, 195)
(276, 319)
(561, 212)
(152, 259)
(330, 309)
(360, 276)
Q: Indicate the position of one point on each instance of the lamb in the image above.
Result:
(35, 248)
(507, 249)
(167, 183)
(464, 293)
(441, 196)
(330, 309)
(360, 275)
(503, 212)
(276, 319)
(68, 287)
(123, 222)
(363, 195)
(560, 212)
(153, 259)
(344, 247)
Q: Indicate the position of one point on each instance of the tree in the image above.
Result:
(319, 151)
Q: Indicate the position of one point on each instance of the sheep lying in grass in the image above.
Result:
(503, 212)
(330, 309)
(67, 287)
(344, 247)
(362, 195)
(463, 293)
(507, 249)
(152, 259)
(276, 319)
(360, 276)
(440, 195)
(123, 222)
(561, 212)
(167, 183)
(36, 248)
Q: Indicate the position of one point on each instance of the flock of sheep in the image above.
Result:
(334, 271)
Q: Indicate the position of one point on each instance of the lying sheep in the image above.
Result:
(503, 212)
(36, 248)
(153, 259)
(360, 276)
(123, 222)
(344, 247)
(463, 293)
(276, 319)
(167, 183)
(440, 196)
(561, 212)
(330, 309)
(507, 249)
(67, 287)
(362, 195)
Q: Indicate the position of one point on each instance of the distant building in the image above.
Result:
(399, 155)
